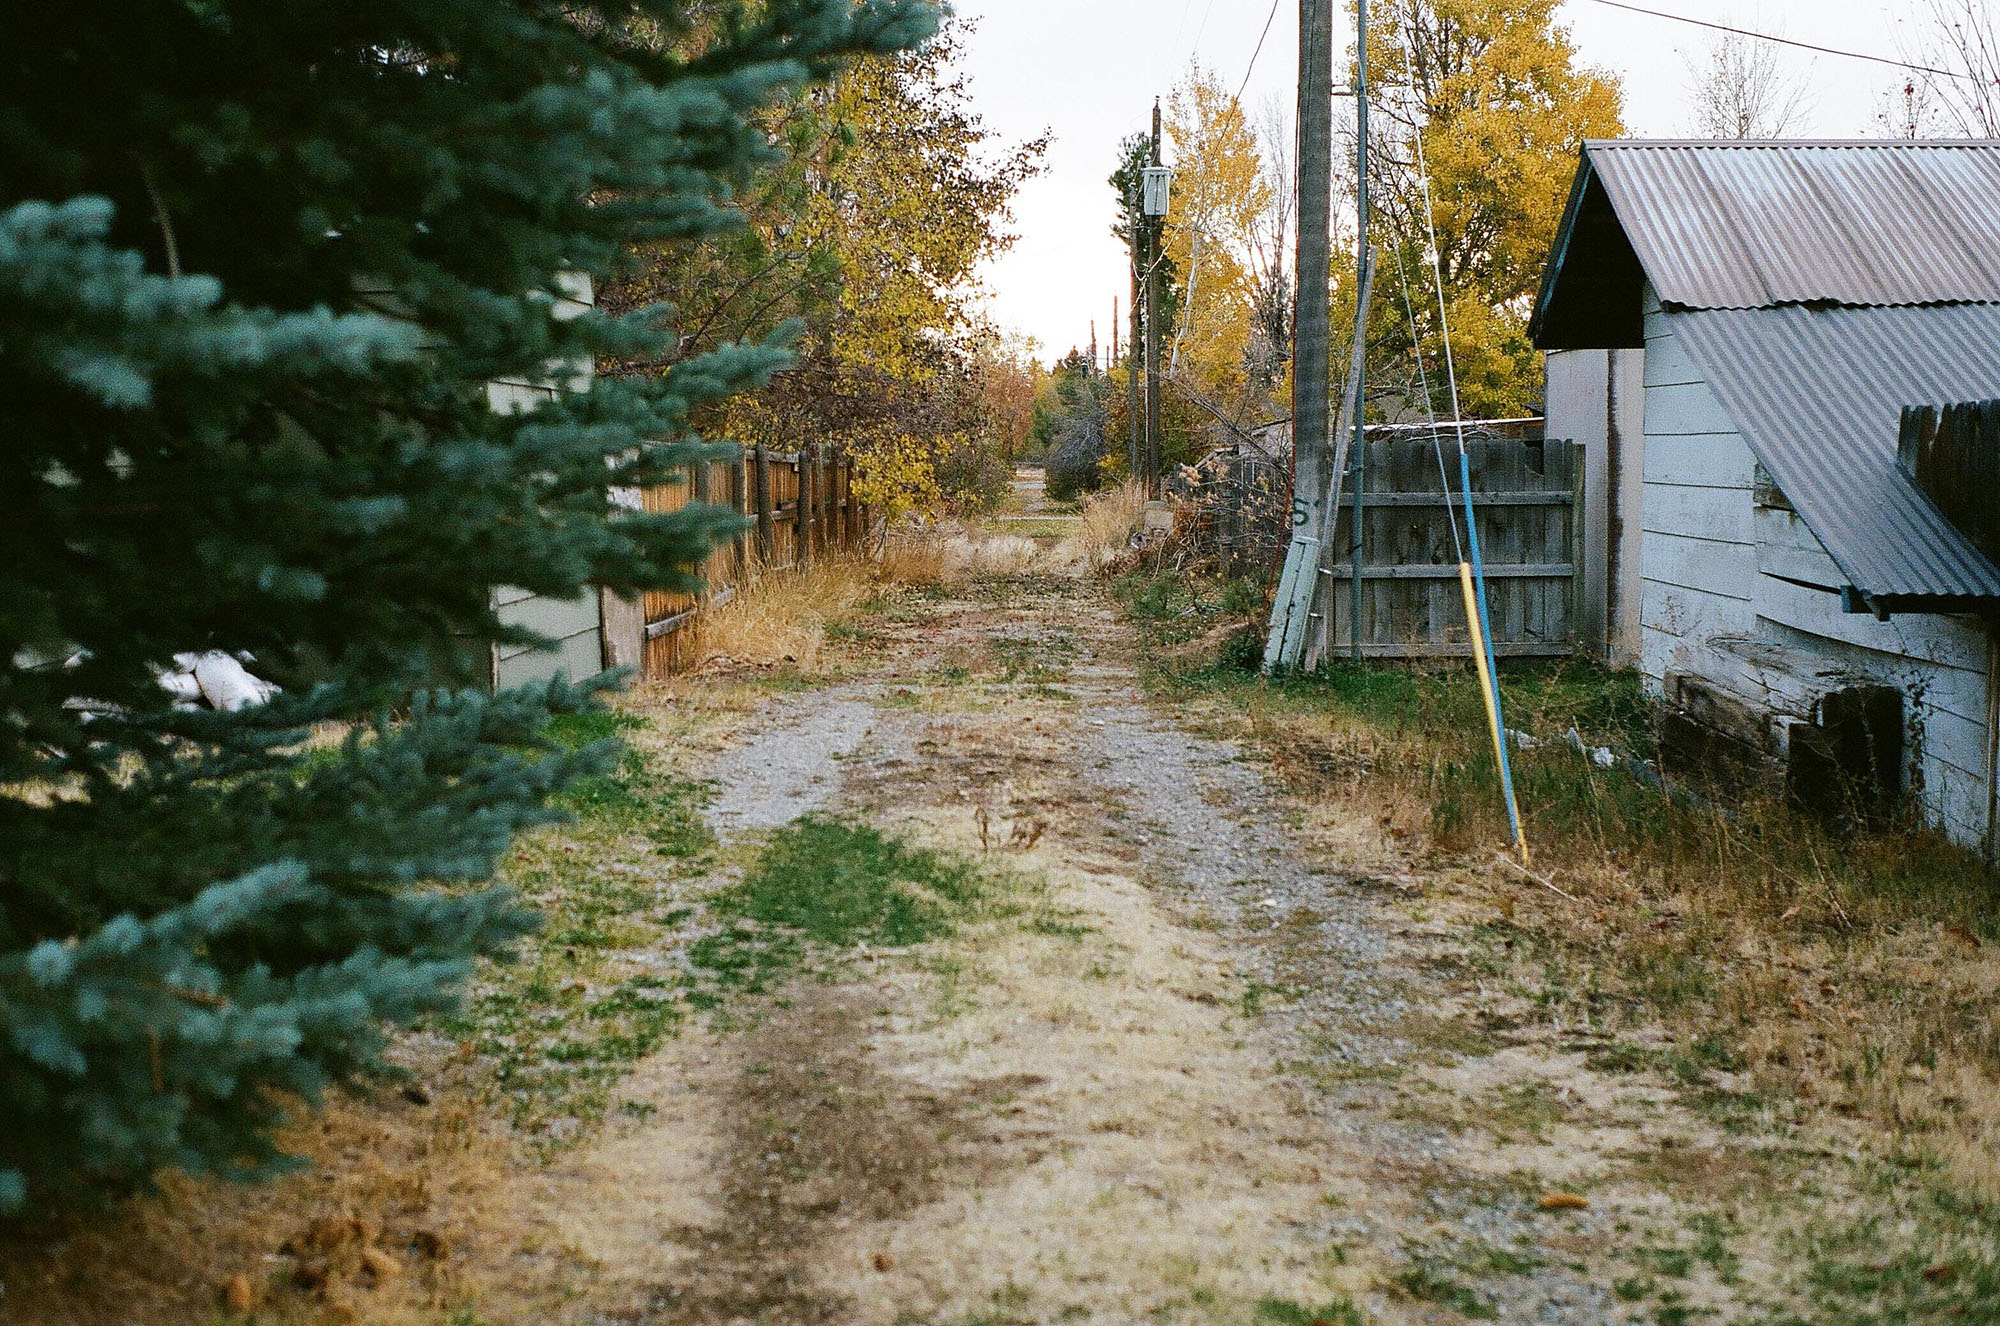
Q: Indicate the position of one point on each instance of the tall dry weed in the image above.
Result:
(781, 617)
(1109, 517)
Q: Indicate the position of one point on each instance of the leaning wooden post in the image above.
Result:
(802, 511)
(766, 514)
(739, 502)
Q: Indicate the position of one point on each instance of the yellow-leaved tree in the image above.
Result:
(884, 196)
(1220, 197)
(1491, 93)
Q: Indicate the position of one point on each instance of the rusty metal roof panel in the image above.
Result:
(1752, 225)
(1818, 394)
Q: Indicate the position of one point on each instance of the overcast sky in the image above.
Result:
(1089, 70)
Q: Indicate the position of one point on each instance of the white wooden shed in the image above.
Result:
(1777, 306)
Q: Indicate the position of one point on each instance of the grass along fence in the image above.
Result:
(804, 506)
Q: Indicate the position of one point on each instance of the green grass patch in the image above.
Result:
(1285, 1312)
(823, 883)
(1433, 1284)
(562, 1024)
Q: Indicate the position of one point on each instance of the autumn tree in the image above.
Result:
(1220, 199)
(867, 239)
(1009, 377)
(1488, 97)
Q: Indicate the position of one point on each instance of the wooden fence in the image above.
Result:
(804, 507)
(1526, 492)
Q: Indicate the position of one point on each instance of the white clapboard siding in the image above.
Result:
(1699, 554)
(1720, 571)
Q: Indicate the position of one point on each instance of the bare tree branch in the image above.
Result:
(1740, 91)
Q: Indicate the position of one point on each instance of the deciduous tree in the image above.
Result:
(1489, 95)
(1220, 199)
(869, 237)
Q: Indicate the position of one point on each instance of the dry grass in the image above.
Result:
(1836, 976)
(1109, 517)
(968, 554)
(1859, 977)
(912, 559)
(380, 1231)
(781, 617)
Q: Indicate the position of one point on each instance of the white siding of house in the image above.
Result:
(1939, 663)
(1698, 554)
(574, 624)
(1716, 566)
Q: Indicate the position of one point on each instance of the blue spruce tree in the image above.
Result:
(257, 263)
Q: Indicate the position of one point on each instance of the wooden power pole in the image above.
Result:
(1153, 449)
(1135, 409)
(1358, 448)
(1310, 357)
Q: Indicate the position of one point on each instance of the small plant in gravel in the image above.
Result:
(1432, 1283)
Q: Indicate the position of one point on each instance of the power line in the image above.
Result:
(1195, 50)
(1270, 19)
(1181, 26)
(1783, 41)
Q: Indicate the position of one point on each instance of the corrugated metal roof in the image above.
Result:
(1751, 225)
(1819, 393)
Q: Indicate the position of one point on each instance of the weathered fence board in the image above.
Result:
(1411, 606)
(803, 504)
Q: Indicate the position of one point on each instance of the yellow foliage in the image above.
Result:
(1219, 195)
(894, 472)
(1494, 90)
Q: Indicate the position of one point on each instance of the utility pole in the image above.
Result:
(1310, 314)
(1358, 448)
(1153, 225)
(1135, 408)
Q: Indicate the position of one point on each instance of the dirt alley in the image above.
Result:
(1225, 1063)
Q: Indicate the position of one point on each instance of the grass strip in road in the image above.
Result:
(820, 882)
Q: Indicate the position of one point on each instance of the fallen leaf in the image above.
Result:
(1963, 935)
(1940, 1273)
(1563, 1201)
(883, 1261)
(237, 1296)
(1790, 913)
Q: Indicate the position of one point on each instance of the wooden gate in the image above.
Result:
(1525, 490)
(804, 506)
